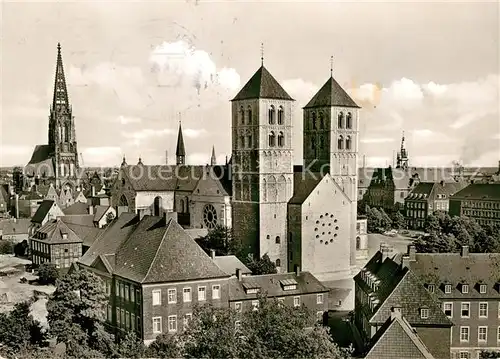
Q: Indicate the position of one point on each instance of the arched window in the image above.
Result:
(349, 120)
(280, 115)
(242, 115)
(123, 201)
(313, 143)
(340, 143)
(123, 182)
(358, 243)
(321, 142)
(249, 140)
(264, 190)
(272, 190)
(272, 114)
(181, 205)
(314, 121)
(249, 112)
(281, 139)
(278, 263)
(348, 143)
(321, 121)
(157, 206)
(278, 240)
(61, 133)
(66, 132)
(272, 139)
(341, 120)
(242, 141)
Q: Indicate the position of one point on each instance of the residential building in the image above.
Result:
(4, 199)
(386, 285)
(61, 243)
(467, 287)
(428, 197)
(480, 201)
(293, 289)
(15, 230)
(48, 210)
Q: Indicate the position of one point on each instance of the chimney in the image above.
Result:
(92, 188)
(395, 312)
(91, 209)
(412, 252)
(405, 263)
(238, 274)
(385, 250)
(297, 270)
(212, 254)
(464, 253)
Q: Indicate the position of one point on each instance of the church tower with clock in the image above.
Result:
(262, 167)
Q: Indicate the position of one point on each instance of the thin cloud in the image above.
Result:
(376, 140)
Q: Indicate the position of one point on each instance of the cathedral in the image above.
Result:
(57, 162)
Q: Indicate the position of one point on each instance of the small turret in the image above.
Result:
(180, 152)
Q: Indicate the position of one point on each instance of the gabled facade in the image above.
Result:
(47, 211)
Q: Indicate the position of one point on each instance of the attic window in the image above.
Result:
(251, 288)
(431, 288)
(482, 288)
(424, 313)
(65, 235)
(447, 288)
(465, 288)
(288, 284)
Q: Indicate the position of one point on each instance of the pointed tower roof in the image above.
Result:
(213, 159)
(262, 85)
(180, 151)
(60, 90)
(331, 94)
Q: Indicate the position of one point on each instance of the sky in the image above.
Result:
(134, 69)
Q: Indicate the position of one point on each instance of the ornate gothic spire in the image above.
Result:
(60, 101)
(213, 159)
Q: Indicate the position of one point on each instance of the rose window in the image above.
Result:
(325, 232)
(209, 216)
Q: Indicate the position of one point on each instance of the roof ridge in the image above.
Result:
(158, 249)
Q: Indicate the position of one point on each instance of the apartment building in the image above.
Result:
(480, 201)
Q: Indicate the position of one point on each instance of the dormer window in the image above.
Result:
(424, 313)
(288, 284)
(465, 288)
(431, 288)
(482, 288)
(447, 288)
(251, 288)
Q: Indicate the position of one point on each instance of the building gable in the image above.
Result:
(102, 265)
(209, 186)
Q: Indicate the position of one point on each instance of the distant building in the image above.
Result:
(15, 230)
(428, 197)
(386, 285)
(479, 201)
(4, 199)
(467, 287)
(361, 240)
(48, 210)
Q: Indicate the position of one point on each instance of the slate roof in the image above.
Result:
(156, 253)
(20, 226)
(30, 196)
(80, 219)
(4, 195)
(42, 211)
(99, 212)
(77, 208)
(42, 161)
(262, 85)
(110, 240)
(399, 287)
(489, 191)
(430, 190)
(407, 345)
(53, 232)
(303, 185)
(86, 233)
(331, 94)
(270, 285)
(230, 263)
(406, 178)
(365, 176)
(452, 268)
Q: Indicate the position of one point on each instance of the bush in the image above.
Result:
(6, 247)
(47, 274)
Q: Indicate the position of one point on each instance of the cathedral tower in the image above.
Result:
(62, 135)
(262, 169)
(331, 128)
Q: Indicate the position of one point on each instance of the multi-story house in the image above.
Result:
(155, 274)
(386, 285)
(47, 211)
(467, 287)
(428, 197)
(293, 289)
(480, 201)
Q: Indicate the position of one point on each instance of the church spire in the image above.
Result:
(402, 156)
(262, 54)
(60, 101)
(213, 159)
(180, 152)
(124, 162)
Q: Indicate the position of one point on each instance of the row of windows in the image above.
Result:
(340, 121)
(465, 309)
(482, 334)
(172, 323)
(341, 143)
(125, 291)
(246, 116)
(415, 204)
(186, 294)
(464, 288)
(486, 214)
(415, 214)
(486, 205)
(124, 319)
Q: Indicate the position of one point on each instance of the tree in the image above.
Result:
(18, 329)
(165, 346)
(398, 221)
(6, 247)
(279, 331)
(47, 273)
(437, 243)
(21, 248)
(202, 338)
(131, 346)
(386, 221)
(374, 220)
(76, 312)
(262, 265)
(220, 239)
